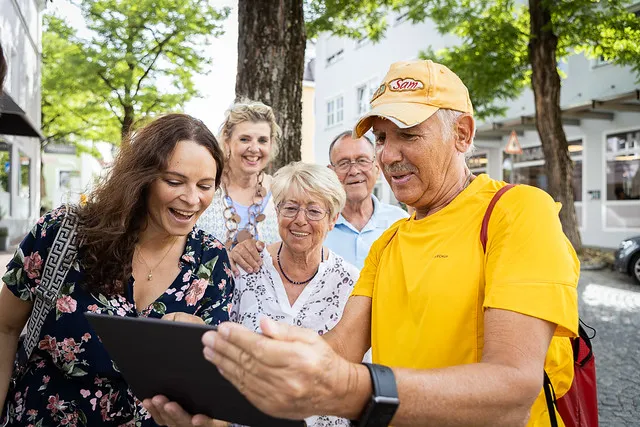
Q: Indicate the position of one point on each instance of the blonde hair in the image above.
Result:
(250, 111)
(308, 178)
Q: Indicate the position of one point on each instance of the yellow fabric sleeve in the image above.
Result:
(531, 268)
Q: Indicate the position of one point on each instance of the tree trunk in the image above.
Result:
(271, 46)
(127, 120)
(546, 89)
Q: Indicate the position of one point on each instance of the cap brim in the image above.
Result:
(402, 114)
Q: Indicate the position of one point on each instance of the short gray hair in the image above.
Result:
(308, 178)
(349, 133)
(448, 120)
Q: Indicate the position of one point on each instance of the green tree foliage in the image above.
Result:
(71, 110)
(138, 60)
(506, 45)
(492, 58)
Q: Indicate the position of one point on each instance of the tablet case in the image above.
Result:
(163, 357)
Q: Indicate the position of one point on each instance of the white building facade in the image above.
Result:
(20, 36)
(601, 112)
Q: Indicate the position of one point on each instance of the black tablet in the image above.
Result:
(164, 357)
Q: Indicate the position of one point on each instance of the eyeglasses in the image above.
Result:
(363, 164)
(290, 210)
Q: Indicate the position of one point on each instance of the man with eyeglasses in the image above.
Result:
(364, 217)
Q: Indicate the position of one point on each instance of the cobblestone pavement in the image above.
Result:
(610, 302)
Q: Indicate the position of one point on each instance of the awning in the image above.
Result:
(14, 121)
(600, 109)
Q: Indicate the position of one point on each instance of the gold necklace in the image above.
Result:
(150, 275)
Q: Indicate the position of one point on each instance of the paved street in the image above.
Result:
(609, 302)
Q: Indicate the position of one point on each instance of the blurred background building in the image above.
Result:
(20, 137)
(601, 115)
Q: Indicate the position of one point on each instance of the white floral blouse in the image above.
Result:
(319, 306)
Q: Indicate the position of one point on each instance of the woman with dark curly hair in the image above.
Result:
(139, 254)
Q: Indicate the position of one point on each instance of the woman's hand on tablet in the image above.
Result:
(183, 317)
(171, 414)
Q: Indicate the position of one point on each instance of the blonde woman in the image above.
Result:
(243, 205)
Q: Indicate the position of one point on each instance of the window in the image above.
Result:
(623, 166)
(622, 205)
(528, 168)
(477, 163)
(335, 57)
(401, 17)
(24, 186)
(335, 111)
(13, 74)
(331, 106)
(5, 177)
(600, 61)
(364, 93)
(361, 42)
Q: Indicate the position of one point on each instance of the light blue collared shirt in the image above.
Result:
(354, 245)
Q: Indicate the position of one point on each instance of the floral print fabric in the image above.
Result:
(319, 306)
(69, 379)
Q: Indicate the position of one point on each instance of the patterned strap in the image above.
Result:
(59, 261)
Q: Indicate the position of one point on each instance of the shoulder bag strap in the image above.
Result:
(549, 393)
(59, 261)
(487, 215)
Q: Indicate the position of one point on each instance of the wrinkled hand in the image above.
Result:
(246, 255)
(183, 317)
(287, 372)
(171, 414)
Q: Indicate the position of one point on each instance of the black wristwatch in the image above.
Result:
(384, 401)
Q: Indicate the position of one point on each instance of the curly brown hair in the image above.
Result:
(112, 218)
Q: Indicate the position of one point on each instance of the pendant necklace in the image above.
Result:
(150, 274)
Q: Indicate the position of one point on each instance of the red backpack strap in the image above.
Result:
(487, 214)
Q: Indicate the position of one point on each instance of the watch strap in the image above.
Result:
(383, 380)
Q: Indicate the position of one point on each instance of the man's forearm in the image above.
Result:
(349, 350)
(8, 347)
(479, 394)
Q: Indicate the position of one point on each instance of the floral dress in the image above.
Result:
(69, 379)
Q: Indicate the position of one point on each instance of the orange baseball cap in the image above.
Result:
(412, 91)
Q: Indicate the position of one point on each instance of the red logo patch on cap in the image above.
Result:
(401, 85)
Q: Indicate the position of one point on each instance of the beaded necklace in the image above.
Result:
(304, 282)
(232, 219)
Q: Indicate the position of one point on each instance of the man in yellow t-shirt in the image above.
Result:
(466, 333)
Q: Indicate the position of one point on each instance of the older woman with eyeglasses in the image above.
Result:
(300, 281)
